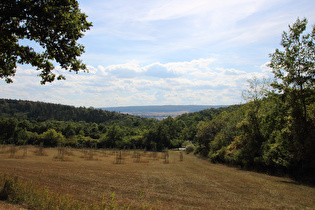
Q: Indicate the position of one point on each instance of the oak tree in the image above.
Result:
(55, 25)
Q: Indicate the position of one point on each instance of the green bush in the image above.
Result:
(218, 156)
(190, 148)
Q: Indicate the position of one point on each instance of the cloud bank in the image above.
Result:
(168, 52)
(190, 82)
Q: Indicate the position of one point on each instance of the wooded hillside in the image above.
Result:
(40, 111)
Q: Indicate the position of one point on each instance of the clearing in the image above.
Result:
(147, 179)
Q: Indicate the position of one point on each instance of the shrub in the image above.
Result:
(8, 188)
(190, 148)
(219, 156)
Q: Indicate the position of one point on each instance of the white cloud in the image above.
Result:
(167, 31)
(168, 52)
(160, 71)
(198, 81)
(233, 72)
(265, 68)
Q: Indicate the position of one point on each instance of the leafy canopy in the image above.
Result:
(55, 25)
(257, 89)
(294, 67)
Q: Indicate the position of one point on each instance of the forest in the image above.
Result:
(27, 122)
(273, 132)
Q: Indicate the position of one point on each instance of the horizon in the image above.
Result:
(166, 105)
(167, 52)
(117, 106)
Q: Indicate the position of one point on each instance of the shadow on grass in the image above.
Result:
(291, 182)
(296, 183)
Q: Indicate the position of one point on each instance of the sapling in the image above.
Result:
(181, 157)
(118, 157)
(24, 151)
(166, 157)
(12, 151)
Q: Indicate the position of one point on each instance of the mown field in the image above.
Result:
(147, 179)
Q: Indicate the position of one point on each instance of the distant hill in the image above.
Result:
(162, 111)
(41, 111)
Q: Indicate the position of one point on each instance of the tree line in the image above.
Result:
(40, 111)
(275, 130)
(27, 122)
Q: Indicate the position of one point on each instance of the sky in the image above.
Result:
(167, 52)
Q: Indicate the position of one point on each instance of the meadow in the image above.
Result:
(157, 180)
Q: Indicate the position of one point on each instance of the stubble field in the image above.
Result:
(153, 180)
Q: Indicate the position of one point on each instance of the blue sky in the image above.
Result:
(168, 52)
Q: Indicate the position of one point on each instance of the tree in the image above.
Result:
(113, 137)
(257, 89)
(249, 142)
(8, 130)
(294, 68)
(206, 134)
(54, 25)
(52, 138)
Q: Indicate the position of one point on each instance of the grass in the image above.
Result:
(143, 180)
(32, 196)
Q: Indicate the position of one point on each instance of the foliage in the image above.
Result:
(27, 122)
(257, 89)
(274, 130)
(51, 138)
(189, 148)
(294, 67)
(40, 111)
(54, 25)
(294, 70)
(113, 137)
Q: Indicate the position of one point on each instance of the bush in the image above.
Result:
(218, 156)
(190, 148)
(8, 188)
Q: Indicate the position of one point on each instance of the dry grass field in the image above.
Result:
(145, 179)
